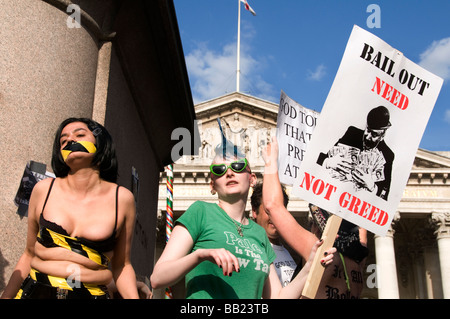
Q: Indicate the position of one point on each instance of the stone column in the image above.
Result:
(48, 72)
(386, 266)
(416, 253)
(442, 224)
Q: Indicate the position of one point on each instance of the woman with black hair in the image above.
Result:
(80, 224)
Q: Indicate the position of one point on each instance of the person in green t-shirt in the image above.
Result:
(222, 253)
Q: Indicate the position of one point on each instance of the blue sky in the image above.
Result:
(297, 45)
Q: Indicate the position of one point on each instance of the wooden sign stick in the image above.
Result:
(316, 271)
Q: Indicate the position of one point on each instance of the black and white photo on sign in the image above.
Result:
(362, 157)
(362, 150)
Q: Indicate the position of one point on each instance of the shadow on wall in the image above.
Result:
(3, 264)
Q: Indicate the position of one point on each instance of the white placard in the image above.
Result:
(295, 125)
(361, 153)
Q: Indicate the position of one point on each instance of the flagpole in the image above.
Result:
(238, 71)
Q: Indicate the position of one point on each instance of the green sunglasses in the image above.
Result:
(237, 167)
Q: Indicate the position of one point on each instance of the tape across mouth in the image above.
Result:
(81, 146)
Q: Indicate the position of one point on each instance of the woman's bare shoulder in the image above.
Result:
(125, 198)
(42, 186)
(125, 194)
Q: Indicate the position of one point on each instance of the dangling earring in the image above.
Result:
(213, 192)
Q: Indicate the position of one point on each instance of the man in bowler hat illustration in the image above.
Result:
(362, 156)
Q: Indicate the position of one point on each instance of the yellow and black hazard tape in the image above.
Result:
(63, 284)
(49, 238)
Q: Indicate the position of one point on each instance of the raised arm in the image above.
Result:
(298, 238)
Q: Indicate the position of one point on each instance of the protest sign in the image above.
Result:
(32, 174)
(360, 155)
(295, 125)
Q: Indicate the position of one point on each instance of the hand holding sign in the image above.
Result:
(352, 177)
(319, 256)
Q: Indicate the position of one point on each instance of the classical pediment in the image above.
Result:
(431, 160)
(430, 168)
(262, 112)
(248, 122)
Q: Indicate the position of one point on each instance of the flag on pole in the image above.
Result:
(247, 6)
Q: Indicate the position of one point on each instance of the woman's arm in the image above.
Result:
(23, 267)
(123, 272)
(298, 238)
(73, 271)
(18, 276)
(176, 260)
(273, 288)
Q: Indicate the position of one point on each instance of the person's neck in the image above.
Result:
(234, 209)
(83, 181)
(275, 241)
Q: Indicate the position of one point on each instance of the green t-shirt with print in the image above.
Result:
(210, 227)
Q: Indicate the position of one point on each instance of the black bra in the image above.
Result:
(100, 246)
